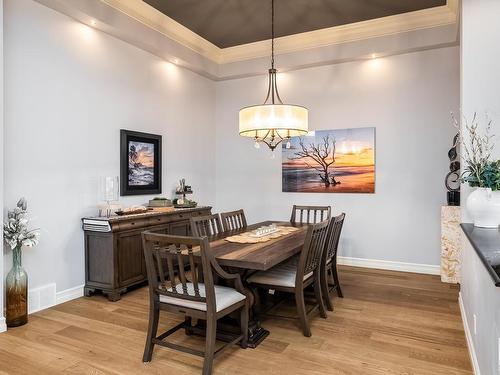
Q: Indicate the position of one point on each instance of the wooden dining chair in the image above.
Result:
(295, 277)
(185, 295)
(329, 261)
(208, 225)
(310, 214)
(233, 220)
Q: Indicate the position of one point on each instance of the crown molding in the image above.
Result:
(405, 22)
(401, 23)
(154, 19)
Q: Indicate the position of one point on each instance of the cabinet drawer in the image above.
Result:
(133, 224)
(158, 220)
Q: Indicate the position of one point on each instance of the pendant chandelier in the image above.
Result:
(273, 121)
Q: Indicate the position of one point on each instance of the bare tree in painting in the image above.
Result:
(322, 154)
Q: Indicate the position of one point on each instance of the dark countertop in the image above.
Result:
(486, 242)
(152, 213)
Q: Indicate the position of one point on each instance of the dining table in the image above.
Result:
(247, 258)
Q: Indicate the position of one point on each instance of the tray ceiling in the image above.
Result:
(228, 23)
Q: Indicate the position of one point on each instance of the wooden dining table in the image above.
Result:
(246, 258)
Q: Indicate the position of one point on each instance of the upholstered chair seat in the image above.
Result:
(282, 275)
(224, 297)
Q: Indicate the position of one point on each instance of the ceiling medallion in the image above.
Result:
(273, 121)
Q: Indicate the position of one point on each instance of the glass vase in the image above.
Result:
(16, 285)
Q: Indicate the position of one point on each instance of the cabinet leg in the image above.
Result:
(87, 292)
(115, 295)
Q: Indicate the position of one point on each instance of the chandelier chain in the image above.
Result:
(272, 34)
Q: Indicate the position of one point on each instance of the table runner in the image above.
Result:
(246, 238)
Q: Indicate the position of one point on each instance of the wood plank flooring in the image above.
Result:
(388, 323)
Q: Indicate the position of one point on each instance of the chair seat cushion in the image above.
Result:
(283, 274)
(224, 297)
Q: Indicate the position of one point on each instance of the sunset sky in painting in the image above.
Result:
(145, 153)
(354, 147)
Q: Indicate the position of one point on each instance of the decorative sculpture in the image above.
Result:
(452, 180)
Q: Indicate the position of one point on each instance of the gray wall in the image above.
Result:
(69, 89)
(480, 76)
(480, 79)
(408, 98)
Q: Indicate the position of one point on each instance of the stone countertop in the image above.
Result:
(486, 242)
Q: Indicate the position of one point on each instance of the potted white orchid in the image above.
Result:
(16, 235)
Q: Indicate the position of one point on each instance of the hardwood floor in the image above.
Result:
(388, 323)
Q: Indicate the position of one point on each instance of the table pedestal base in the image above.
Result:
(256, 334)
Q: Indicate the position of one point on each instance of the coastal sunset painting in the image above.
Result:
(330, 161)
(140, 163)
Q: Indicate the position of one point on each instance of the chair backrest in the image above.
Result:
(310, 214)
(208, 225)
(161, 250)
(233, 220)
(313, 250)
(332, 240)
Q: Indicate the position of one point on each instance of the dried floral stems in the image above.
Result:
(477, 152)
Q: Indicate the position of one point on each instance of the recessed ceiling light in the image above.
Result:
(374, 56)
(93, 22)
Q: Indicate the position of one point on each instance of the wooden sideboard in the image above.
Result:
(114, 259)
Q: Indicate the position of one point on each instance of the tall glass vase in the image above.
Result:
(16, 286)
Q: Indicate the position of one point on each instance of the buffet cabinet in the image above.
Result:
(114, 259)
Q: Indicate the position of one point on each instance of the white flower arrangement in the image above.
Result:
(15, 228)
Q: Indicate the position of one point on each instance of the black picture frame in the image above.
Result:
(140, 188)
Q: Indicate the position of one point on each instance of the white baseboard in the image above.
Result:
(468, 336)
(3, 326)
(69, 294)
(388, 265)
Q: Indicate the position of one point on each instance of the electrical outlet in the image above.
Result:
(474, 318)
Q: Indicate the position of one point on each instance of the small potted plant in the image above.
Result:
(17, 235)
(481, 173)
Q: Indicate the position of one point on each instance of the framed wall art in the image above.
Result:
(140, 163)
(330, 161)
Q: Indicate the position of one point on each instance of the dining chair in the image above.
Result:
(233, 220)
(185, 295)
(310, 214)
(329, 261)
(208, 225)
(294, 277)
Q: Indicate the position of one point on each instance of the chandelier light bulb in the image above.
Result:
(256, 145)
(288, 144)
